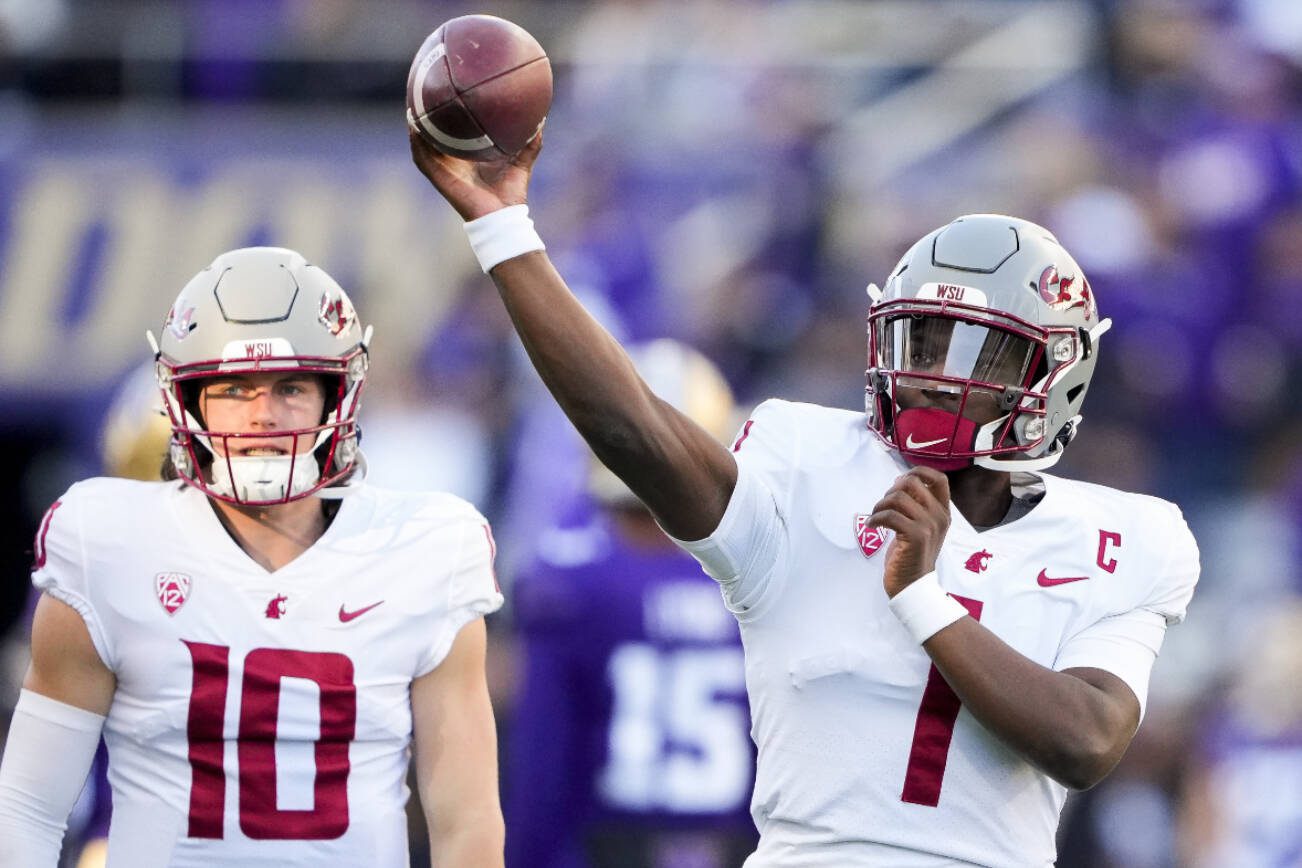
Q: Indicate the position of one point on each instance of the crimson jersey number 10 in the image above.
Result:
(259, 712)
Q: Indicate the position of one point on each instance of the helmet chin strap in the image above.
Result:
(1013, 465)
(265, 478)
(351, 485)
(930, 433)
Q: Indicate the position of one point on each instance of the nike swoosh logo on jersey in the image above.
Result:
(1046, 582)
(345, 617)
(908, 442)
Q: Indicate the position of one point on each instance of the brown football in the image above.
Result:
(479, 88)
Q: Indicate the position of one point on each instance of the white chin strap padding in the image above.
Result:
(339, 491)
(254, 478)
(1043, 462)
(264, 477)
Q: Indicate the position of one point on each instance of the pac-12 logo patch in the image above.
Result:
(870, 538)
(173, 590)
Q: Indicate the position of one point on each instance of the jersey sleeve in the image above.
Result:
(1179, 574)
(59, 565)
(1127, 643)
(744, 553)
(472, 589)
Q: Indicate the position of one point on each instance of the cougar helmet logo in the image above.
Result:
(1058, 293)
(180, 325)
(1048, 285)
(336, 314)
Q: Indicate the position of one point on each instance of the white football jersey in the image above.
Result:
(866, 756)
(262, 719)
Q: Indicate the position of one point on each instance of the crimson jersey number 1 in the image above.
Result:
(259, 712)
(933, 732)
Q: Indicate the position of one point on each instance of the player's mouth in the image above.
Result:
(260, 451)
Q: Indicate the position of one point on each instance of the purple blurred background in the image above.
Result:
(731, 174)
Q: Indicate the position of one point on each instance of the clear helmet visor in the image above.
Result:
(942, 347)
(948, 387)
(961, 367)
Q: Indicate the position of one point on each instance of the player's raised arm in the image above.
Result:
(678, 470)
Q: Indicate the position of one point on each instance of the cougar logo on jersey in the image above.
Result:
(173, 590)
(978, 562)
(870, 538)
(276, 607)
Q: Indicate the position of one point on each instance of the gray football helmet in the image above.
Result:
(263, 309)
(981, 347)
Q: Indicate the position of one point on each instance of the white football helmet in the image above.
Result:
(981, 347)
(263, 309)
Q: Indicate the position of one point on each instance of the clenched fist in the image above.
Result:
(917, 508)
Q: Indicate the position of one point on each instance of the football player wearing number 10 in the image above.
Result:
(941, 638)
(264, 642)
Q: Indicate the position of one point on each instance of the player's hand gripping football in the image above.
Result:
(917, 508)
(476, 188)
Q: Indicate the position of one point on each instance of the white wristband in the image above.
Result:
(501, 235)
(925, 609)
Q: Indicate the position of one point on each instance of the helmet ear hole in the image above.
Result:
(1086, 343)
(190, 401)
(1074, 392)
(332, 387)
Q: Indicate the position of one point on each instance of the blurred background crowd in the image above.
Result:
(730, 173)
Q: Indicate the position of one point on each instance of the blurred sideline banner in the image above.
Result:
(104, 218)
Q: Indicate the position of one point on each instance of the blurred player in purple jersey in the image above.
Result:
(1243, 796)
(638, 696)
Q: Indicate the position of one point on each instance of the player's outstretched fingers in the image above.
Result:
(529, 154)
(432, 163)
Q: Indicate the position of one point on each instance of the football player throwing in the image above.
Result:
(941, 638)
